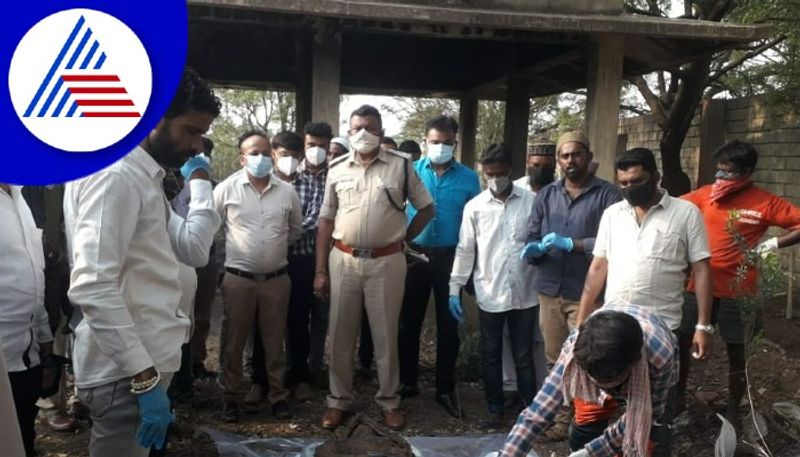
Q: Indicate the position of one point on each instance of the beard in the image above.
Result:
(165, 150)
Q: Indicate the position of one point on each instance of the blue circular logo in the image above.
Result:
(86, 82)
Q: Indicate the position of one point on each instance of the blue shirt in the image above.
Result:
(451, 191)
(560, 273)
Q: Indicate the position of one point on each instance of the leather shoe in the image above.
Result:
(406, 391)
(450, 404)
(333, 418)
(394, 419)
(281, 410)
(61, 422)
(230, 411)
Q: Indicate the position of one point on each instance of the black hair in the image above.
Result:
(287, 140)
(496, 153)
(442, 123)
(208, 145)
(389, 140)
(193, 94)
(738, 153)
(409, 146)
(368, 110)
(608, 343)
(319, 129)
(638, 156)
(248, 134)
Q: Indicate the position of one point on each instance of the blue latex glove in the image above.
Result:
(193, 164)
(455, 308)
(155, 415)
(532, 250)
(557, 241)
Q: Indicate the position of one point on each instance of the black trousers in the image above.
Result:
(183, 379)
(520, 328)
(421, 280)
(301, 303)
(25, 388)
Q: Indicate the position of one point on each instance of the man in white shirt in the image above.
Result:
(645, 246)
(491, 239)
(262, 216)
(126, 247)
(24, 327)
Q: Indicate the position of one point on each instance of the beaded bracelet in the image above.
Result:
(138, 388)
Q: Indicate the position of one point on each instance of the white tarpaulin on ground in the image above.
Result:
(230, 445)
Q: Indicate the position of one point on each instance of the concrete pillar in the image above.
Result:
(326, 73)
(515, 133)
(712, 136)
(467, 129)
(302, 94)
(602, 104)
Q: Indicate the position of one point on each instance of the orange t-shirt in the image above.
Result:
(758, 210)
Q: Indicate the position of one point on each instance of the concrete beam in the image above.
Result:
(602, 103)
(516, 123)
(468, 129)
(326, 65)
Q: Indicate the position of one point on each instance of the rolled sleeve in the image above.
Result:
(330, 202)
(465, 252)
(295, 219)
(697, 236)
(417, 193)
(105, 222)
(600, 248)
(192, 237)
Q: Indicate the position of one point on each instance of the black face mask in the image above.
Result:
(542, 176)
(640, 194)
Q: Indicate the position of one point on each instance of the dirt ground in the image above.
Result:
(773, 373)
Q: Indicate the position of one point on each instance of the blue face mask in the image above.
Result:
(440, 153)
(258, 165)
(727, 175)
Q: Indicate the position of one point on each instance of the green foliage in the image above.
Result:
(770, 282)
(244, 110)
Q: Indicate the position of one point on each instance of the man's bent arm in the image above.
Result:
(595, 280)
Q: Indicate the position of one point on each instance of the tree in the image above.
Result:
(673, 96)
(244, 110)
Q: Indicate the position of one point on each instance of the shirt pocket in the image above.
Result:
(662, 245)
(346, 192)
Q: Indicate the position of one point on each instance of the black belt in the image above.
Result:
(257, 277)
(433, 250)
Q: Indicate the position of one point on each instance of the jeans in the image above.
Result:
(520, 328)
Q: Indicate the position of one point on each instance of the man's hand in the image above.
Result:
(46, 348)
(557, 241)
(322, 285)
(770, 245)
(455, 308)
(155, 416)
(701, 344)
(196, 168)
(532, 251)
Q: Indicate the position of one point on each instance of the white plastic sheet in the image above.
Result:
(231, 445)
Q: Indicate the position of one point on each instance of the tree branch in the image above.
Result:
(634, 109)
(651, 99)
(633, 10)
(731, 64)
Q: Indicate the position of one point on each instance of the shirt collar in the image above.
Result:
(663, 202)
(515, 193)
(303, 169)
(142, 158)
(426, 162)
(243, 179)
(353, 157)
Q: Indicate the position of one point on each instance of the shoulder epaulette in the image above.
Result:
(338, 160)
(400, 154)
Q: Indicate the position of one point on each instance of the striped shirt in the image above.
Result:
(661, 348)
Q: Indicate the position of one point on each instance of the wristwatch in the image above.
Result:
(708, 328)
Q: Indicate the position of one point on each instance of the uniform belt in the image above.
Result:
(257, 277)
(368, 253)
(428, 250)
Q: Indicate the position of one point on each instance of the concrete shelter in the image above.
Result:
(465, 49)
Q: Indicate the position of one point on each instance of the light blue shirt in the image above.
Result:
(450, 192)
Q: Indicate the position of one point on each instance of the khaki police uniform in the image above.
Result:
(367, 224)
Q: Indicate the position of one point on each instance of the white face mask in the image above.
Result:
(364, 142)
(258, 166)
(316, 155)
(287, 165)
(440, 153)
(499, 184)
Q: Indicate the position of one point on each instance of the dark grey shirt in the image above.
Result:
(561, 274)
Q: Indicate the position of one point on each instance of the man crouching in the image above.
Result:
(621, 357)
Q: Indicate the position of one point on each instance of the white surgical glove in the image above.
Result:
(580, 453)
(771, 245)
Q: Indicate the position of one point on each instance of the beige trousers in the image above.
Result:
(247, 301)
(377, 285)
(557, 318)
